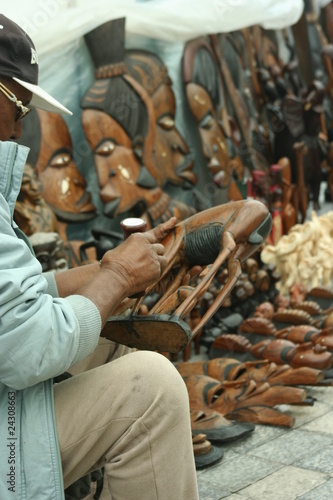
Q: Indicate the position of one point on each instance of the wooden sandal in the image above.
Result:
(250, 393)
(258, 325)
(262, 415)
(256, 414)
(298, 334)
(217, 427)
(306, 333)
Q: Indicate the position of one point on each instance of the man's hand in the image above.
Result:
(139, 261)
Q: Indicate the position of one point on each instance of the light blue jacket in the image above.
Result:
(41, 336)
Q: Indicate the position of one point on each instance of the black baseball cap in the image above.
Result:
(19, 61)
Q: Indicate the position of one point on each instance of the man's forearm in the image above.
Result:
(68, 282)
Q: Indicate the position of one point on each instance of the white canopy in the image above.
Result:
(55, 23)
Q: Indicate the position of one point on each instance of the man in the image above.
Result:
(130, 416)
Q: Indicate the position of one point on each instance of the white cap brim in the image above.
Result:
(43, 100)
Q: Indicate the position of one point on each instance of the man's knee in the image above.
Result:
(158, 375)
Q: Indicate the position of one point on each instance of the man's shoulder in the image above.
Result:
(12, 146)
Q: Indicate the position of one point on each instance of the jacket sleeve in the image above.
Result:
(40, 336)
(52, 288)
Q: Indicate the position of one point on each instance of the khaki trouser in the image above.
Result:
(130, 416)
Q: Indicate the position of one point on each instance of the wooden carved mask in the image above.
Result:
(115, 122)
(171, 153)
(117, 119)
(119, 123)
(51, 155)
(204, 94)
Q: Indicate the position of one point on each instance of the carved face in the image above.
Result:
(31, 187)
(63, 186)
(171, 153)
(118, 169)
(50, 251)
(212, 138)
(119, 122)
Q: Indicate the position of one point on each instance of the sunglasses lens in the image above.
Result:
(21, 113)
(18, 115)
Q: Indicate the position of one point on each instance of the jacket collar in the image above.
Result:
(12, 161)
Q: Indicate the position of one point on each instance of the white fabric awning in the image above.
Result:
(55, 23)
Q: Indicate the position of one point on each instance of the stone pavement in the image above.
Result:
(275, 463)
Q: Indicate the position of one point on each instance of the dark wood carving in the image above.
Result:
(51, 154)
(171, 154)
(224, 235)
(205, 96)
(119, 123)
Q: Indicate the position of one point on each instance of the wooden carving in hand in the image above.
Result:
(223, 235)
(226, 234)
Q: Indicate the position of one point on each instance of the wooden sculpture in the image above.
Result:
(240, 70)
(171, 154)
(254, 149)
(32, 213)
(119, 123)
(206, 100)
(223, 235)
(302, 196)
(63, 187)
(289, 215)
(51, 251)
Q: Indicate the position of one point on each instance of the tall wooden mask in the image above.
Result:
(118, 121)
(205, 97)
(171, 153)
(118, 125)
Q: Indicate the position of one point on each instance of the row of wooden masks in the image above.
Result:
(129, 120)
(152, 157)
(290, 133)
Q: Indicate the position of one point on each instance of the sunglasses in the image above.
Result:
(21, 111)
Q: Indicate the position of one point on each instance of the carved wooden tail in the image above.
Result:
(301, 189)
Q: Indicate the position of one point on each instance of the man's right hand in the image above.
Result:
(139, 261)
